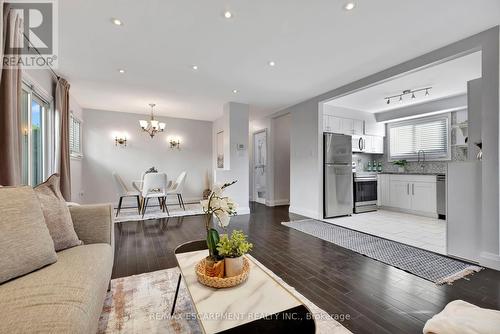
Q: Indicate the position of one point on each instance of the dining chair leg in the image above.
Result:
(138, 204)
(145, 206)
(182, 201)
(119, 206)
(160, 201)
(165, 205)
(179, 199)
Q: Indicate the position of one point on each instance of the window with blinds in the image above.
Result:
(428, 134)
(75, 136)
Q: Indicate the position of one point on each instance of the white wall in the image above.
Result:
(234, 123)
(76, 164)
(281, 127)
(102, 157)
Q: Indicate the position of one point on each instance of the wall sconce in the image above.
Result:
(121, 140)
(175, 143)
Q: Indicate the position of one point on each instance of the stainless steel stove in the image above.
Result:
(365, 191)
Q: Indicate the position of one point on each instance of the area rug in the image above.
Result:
(142, 303)
(428, 265)
(154, 212)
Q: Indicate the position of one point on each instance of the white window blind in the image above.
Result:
(429, 134)
(75, 136)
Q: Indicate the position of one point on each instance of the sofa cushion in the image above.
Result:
(56, 213)
(25, 242)
(66, 297)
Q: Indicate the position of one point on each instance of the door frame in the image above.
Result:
(254, 188)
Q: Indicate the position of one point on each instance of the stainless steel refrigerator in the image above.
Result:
(337, 175)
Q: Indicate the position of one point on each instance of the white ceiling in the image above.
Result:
(317, 46)
(446, 79)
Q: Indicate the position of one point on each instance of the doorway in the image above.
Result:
(260, 166)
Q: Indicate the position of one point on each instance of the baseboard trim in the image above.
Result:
(490, 260)
(278, 202)
(411, 212)
(304, 212)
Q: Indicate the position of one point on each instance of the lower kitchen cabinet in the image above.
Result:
(409, 193)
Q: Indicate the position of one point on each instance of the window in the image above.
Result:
(428, 134)
(34, 116)
(75, 135)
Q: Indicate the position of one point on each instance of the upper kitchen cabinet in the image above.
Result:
(343, 125)
(375, 129)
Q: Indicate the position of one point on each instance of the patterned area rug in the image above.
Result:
(142, 303)
(428, 265)
(154, 212)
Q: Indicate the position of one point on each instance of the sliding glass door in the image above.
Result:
(34, 127)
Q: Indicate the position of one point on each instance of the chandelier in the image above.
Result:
(152, 126)
(407, 92)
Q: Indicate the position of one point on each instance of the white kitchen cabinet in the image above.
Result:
(373, 128)
(376, 145)
(410, 193)
(383, 190)
(332, 124)
(400, 195)
(358, 127)
(347, 126)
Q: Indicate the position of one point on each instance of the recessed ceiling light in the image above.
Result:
(235, 91)
(228, 14)
(349, 6)
(117, 22)
(272, 63)
(195, 67)
(121, 70)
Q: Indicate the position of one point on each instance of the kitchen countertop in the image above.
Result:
(411, 173)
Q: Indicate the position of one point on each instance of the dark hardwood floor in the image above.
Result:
(376, 297)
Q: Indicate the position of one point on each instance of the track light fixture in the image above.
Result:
(408, 92)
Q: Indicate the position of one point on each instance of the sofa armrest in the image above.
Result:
(93, 223)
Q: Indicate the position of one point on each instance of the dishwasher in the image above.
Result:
(441, 196)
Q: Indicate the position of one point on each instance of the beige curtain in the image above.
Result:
(10, 106)
(62, 107)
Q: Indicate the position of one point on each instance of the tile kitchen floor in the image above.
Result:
(422, 232)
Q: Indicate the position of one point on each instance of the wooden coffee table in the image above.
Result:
(259, 305)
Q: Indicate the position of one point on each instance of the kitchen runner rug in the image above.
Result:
(428, 265)
(142, 304)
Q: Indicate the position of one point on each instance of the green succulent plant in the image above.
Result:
(234, 246)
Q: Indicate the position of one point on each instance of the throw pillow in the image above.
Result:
(25, 242)
(56, 213)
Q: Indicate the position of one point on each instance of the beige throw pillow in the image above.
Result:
(25, 242)
(56, 213)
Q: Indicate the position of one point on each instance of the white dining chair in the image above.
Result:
(123, 191)
(154, 186)
(177, 187)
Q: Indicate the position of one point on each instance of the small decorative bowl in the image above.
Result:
(225, 282)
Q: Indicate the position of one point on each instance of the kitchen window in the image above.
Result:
(75, 137)
(428, 134)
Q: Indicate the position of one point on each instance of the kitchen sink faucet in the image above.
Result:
(421, 162)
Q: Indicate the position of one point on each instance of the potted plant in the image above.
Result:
(222, 208)
(401, 165)
(232, 249)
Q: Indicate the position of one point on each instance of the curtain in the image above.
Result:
(62, 108)
(10, 97)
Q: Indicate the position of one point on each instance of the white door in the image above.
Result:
(423, 197)
(260, 166)
(400, 194)
(347, 126)
(358, 127)
(335, 124)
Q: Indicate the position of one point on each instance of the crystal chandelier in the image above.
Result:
(153, 126)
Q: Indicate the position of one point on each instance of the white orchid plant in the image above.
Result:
(222, 207)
